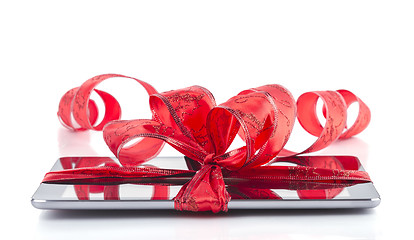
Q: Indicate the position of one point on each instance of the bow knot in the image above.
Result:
(206, 191)
(209, 159)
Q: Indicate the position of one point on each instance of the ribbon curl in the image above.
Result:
(190, 121)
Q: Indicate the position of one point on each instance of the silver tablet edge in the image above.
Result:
(234, 204)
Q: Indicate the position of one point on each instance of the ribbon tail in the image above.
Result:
(206, 191)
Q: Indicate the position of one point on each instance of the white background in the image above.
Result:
(47, 47)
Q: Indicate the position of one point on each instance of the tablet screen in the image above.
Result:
(167, 190)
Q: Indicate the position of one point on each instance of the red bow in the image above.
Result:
(189, 120)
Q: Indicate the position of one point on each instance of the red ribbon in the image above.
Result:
(189, 120)
(110, 191)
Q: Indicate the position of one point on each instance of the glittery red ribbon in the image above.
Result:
(110, 191)
(189, 120)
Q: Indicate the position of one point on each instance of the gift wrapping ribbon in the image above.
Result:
(190, 121)
(245, 189)
(110, 191)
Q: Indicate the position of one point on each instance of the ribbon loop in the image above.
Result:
(363, 118)
(149, 137)
(281, 121)
(186, 111)
(76, 102)
(335, 119)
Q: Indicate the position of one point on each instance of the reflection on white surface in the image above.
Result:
(246, 224)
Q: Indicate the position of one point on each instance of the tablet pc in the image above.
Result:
(160, 196)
